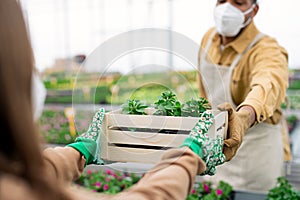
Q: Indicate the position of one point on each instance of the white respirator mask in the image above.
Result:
(38, 92)
(229, 20)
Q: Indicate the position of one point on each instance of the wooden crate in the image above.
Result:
(143, 138)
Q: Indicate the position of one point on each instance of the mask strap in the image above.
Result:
(247, 12)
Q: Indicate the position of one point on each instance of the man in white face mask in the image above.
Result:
(230, 19)
(245, 72)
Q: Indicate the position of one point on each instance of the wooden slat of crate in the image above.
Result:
(126, 154)
(147, 139)
(120, 146)
(116, 119)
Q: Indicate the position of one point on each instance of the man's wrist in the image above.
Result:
(252, 113)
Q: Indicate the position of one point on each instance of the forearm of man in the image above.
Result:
(251, 110)
(268, 79)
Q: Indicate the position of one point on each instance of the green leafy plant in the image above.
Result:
(291, 122)
(291, 119)
(205, 191)
(168, 105)
(135, 107)
(283, 190)
(195, 108)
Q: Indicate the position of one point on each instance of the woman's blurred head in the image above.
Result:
(18, 135)
(20, 153)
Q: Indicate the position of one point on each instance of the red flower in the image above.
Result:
(98, 184)
(105, 187)
(116, 176)
(193, 191)
(219, 192)
(206, 188)
(109, 172)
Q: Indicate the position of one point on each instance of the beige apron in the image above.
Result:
(259, 160)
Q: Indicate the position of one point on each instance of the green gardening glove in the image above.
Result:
(88, 143)
(208, 149)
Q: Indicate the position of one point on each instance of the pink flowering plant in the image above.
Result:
(205, 191)
(112, 182)
(107, 181)
(55, 127)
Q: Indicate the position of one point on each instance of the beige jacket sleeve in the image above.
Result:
(172, 178)
(64, 163)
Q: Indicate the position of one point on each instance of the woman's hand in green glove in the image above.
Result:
(208, 149)
(88, 143)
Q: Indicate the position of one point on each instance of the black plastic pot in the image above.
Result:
(248, 195)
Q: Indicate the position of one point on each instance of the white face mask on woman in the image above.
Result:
(229, 20)
(38, 92)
